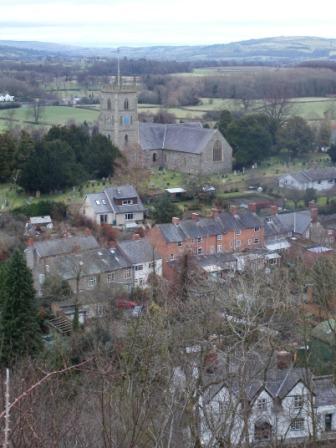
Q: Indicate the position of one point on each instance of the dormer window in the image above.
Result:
(97, 202)
(127, 202)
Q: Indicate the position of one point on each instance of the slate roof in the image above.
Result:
(225, 222)
(93, 262)
(50, 248)
(286, 223)
(314, 175)
(138, 251)
(325, 390)
(104, 202)
(175, 137)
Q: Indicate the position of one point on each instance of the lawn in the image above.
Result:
(51, 115)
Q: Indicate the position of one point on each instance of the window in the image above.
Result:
(171, 258)
(97, 202)
(100, 310)
(127, 274)
(109, 104)
(154, 157)
(237, 243)
(128, 216)
(328, 422)
(199, 251)
(199, 240)
(103, 202)
(126, 104)
(256, 240)
(152, 265)
(103, 219)
(111, 277)
(262, 404)
(92, 281)
(238, 232)
(256, 229)
(262, 431)
(139, 267)
(217, 151)
(297, 424)
(219, 248)
(126, 139)
(179, 243)
(272, 261)
(127, 201)
(219, 237)
(126, 120)
(298, 401)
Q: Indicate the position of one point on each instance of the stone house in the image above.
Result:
(182, 147)
(283, 403)
(119, 206)
(145, 261)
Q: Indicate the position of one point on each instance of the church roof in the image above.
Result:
(174, 137)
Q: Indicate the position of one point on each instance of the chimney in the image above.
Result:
(234, 209)
(283, 359)
(136, 237)
(252, 207)
(215, 212)
(175, 220)
(274, 209)
(195, 216)
(313, 211)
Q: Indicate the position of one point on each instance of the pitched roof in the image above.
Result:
(285, 223)
(138, 251)
(92, 262)
(105, 202)
(314, 174)
(50, 248)
(175, 137)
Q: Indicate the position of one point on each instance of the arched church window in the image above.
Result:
(126, 139)
(217, 151)
(109, 106)
(126, 104)
(154, 157)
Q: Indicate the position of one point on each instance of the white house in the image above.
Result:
(319, 179)
(6, 98)
(144, 259)
(119, 206)
(288, 404)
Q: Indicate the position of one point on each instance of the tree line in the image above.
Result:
(63, 157)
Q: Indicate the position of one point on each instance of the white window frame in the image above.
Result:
(297, 424)
(92, 281)
(219, 237)
(111, 277)
(129, 216)
(139, 267)
(298, 401)
(262, 404)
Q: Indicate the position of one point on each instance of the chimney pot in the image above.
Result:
(283, 359)
(274, 209)
(175, 220)
(233, 209)
(215, 212)
(252, 206)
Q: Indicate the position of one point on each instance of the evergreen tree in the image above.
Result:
(19, 329)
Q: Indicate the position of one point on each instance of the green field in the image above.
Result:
(51, 115)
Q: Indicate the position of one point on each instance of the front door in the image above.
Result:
(262, 431)
(328, 422)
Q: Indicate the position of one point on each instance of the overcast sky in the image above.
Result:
(139, 22)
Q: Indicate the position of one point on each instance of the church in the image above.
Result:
(185, 147)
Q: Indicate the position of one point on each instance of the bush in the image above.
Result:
(57, 210)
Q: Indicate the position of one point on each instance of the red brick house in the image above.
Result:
(237, 230)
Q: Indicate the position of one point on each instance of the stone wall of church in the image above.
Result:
(208, 165)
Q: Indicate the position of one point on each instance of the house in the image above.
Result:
(180, 147)
(319, 179)
(119, 206)
(283, 403)
(38, 223)
(145, 261)
(236, 230)
(281, 226)
(98, 268)
(6, 98)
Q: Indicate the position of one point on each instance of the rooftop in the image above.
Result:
(59, 246)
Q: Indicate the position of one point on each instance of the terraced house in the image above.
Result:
(237, 230)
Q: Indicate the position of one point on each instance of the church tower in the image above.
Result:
(118, 118)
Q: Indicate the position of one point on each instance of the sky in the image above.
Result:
(168, 22)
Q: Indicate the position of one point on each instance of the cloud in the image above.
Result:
(155, 21)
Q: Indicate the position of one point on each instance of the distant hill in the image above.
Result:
(267, 49)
